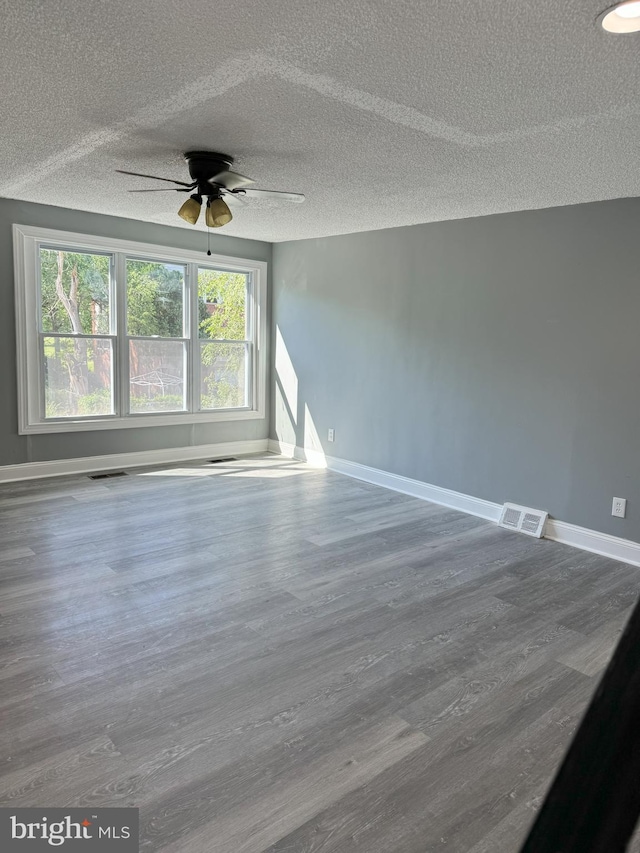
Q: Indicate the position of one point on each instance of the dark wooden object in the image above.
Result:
(594, 801)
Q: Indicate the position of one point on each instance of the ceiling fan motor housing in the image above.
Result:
(205, 165)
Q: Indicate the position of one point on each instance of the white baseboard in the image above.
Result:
(613, 547)
(86, 464)
(415, 488)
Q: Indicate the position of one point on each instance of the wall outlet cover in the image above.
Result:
(619, 507)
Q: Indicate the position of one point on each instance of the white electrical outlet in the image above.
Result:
(332, 435)
(619, 507)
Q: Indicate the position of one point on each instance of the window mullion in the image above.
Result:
(252, 333)
(42, 404)
(121, 371)
(249, 373)
(194, 343)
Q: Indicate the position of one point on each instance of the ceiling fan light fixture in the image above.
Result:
(622, 18)
(218, 213)
(190, 210)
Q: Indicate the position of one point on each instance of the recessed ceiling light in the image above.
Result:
(623, 18)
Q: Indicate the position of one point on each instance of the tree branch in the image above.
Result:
(70, 301)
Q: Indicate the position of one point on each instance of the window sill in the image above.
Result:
(141, 420)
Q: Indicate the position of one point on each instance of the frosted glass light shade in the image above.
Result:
(218, 213)
(190, 210)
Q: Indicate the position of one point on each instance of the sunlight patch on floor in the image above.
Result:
(240, 468)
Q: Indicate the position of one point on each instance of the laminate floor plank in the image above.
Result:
(455, 788)
(263, 656)
(290, 801)
(592, 656)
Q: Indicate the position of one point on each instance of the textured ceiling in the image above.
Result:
(383, 113)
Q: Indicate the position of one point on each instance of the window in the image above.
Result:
(113, 334)
(157, 336)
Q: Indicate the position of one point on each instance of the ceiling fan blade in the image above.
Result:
(276, 194)
(231, 180)
(163, 190)
(234, 197)
(155, 178)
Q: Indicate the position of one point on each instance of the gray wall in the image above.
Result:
(496, 356)
(16, 448)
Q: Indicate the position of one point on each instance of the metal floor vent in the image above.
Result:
(107, 474)
(523, 519)
(225, 459)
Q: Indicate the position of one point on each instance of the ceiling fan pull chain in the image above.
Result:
(208, 241)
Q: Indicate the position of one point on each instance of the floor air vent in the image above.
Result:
(225, 459)
(523, 519)
(107, 474)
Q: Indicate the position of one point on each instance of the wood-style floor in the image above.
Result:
(267, 657)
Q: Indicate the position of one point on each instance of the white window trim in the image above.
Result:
(25, 241)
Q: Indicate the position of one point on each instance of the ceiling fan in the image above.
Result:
(213, 180)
